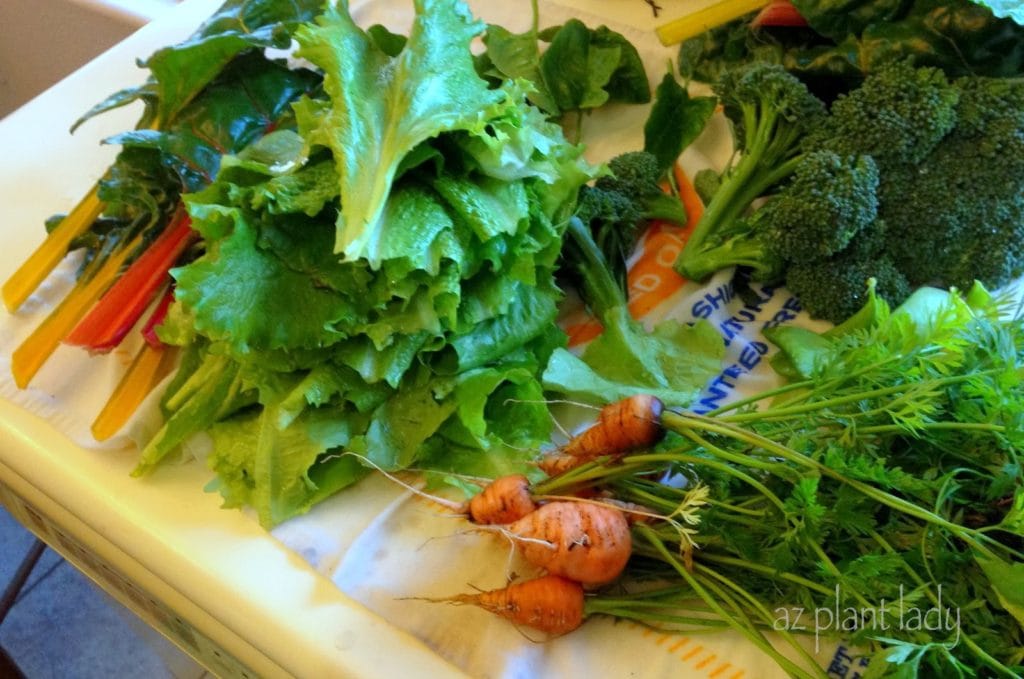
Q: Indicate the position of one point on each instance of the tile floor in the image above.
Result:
(63, 626)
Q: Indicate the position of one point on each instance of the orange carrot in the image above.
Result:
(551, 603)
(586, 542)
(621, 427)
(504, 500)
(556, 464)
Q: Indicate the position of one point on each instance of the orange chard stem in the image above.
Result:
(150, 366)
(30, 356)
(107, 324)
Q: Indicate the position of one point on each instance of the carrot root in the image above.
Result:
(585, 542)
(550, 603)
(504, 500)
(621, 427)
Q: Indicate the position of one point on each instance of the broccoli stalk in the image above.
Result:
(619, 205)
(771, 112)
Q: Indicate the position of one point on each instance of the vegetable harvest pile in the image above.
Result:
(347, 250)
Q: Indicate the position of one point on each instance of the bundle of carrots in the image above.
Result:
(812, 499)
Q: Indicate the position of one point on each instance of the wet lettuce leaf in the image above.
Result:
(401, 331)
(385, 106)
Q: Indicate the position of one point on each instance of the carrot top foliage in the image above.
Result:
(886, 475)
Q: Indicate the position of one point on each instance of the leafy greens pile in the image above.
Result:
(379, 278)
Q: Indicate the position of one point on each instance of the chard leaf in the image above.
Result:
(383, 106)
(181, 71)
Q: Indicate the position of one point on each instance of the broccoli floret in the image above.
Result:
(898, 115)
(618, 205)
(771, 111)
(835, 289)
(958, 216)
(828, 202)
(706, 183)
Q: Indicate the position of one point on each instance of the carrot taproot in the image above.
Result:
(586, 542)
(504, 500)
(623, 426)
(558, 463)
(550, 603)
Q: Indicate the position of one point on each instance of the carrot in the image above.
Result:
(556, 464)
(551, 603)
(621, 427)
(504, 500)
(586, 542)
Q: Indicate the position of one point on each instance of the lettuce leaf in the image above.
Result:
(385, 106)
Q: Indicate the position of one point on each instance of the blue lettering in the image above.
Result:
(721, 296)
(730, 329)
(701, 309)
(751, 354)
(717, 390)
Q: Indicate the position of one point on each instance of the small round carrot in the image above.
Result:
(551, 603)
(621, 427)
(504, 500)
(586, 542)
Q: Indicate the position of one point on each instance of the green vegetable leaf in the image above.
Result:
(675, 121)
(673, 362)
(1005, 9)
(1007, 581)
(383, 106)
(181, 71)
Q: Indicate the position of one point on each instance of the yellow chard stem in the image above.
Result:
(28, 358)
(48, 255)
(150, 366)
(705, 19)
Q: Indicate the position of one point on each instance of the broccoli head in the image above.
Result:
(618, 206)
(958, 216)
(828, 202)
(899, 114)
(835, 289)
(771, 111)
